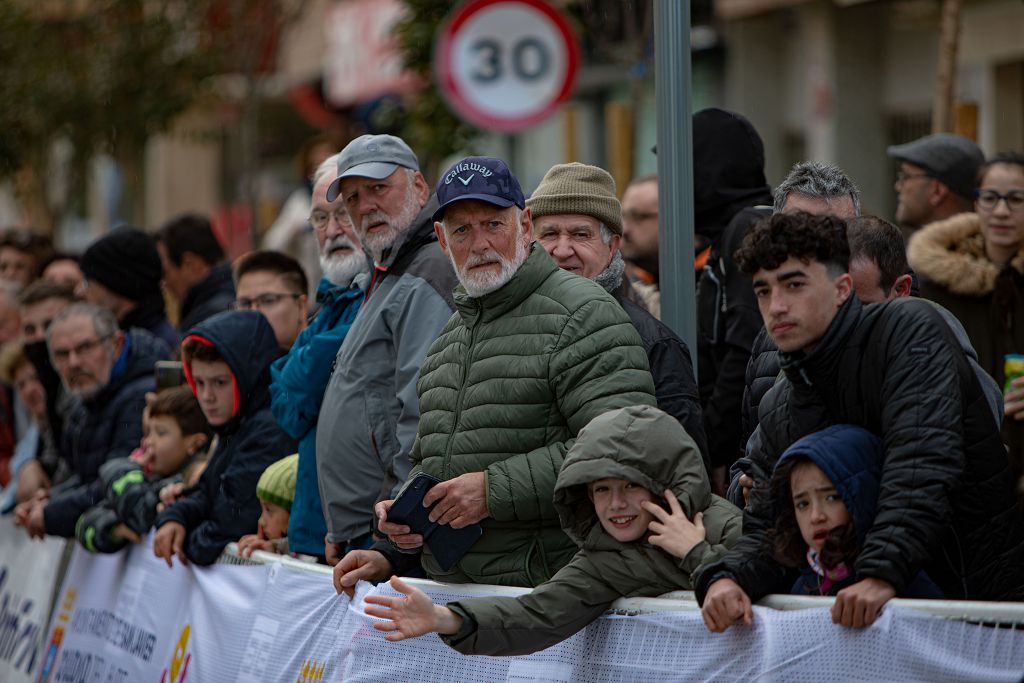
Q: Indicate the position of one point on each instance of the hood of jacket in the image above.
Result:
(144, 350)
(246, 342)
(728, 169)
(640, 444)
(951, 253)
(851, 457)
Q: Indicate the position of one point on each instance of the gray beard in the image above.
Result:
(477, 287)
(381, 242)
(611, 277)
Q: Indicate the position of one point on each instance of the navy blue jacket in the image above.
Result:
(104, 427)
(223, 506)
(299, 380)
(851, 457)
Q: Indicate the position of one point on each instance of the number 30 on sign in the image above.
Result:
(505, 64)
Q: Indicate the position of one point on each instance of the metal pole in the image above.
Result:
(675, 169)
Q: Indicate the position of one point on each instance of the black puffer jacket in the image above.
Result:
(223, 507)
(763, 369)
(727, 322)
(946, 503)
(675, 387)
(106, 426)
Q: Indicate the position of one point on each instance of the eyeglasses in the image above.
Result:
(321, 219)
(903, 176)
(86, 347)
(262, 301)
(989, 199)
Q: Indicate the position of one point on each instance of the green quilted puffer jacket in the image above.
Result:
(510, 381)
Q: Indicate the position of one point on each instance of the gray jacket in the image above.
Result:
(370, 411)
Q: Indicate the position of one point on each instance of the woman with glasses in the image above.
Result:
(973, 264)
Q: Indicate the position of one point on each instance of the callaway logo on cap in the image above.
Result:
(482, 178)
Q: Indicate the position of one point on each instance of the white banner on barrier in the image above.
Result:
(28, 571)
(129, 618)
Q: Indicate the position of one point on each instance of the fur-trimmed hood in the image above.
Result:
(951, 253)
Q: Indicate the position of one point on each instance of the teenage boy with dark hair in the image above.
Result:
(275, 285)
(194, 269)
(946, 503)
(227, 363)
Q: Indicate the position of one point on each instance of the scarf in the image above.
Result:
(827, 577)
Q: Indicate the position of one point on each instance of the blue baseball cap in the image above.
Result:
(483, 178)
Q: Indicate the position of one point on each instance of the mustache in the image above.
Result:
(481, 259)
(377, 216)
(338, 242)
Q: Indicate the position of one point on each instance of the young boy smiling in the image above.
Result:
(630, 545)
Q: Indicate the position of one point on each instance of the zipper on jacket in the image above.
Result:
(458, 402)
(709, 272)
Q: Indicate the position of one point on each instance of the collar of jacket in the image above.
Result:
(327, 291)
(537, 268)
(218, 278)
(951, 253)
(819, 367)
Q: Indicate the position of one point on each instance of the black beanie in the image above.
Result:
(126, 262)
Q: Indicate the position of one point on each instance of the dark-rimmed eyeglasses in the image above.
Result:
(262, 301)
(80, 350)
(989, 199)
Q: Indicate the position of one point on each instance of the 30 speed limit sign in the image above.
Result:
(505, 64)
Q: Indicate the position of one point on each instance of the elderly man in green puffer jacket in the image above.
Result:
(532, 354)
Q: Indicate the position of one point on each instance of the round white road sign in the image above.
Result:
(505, 64)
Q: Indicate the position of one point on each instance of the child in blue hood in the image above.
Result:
(825, 487)
(227, 361)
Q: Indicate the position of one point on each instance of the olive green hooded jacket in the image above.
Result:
(642, 445)
(504, 389)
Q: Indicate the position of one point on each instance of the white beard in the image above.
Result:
(340, 269)
(377, 242)
(479, 284)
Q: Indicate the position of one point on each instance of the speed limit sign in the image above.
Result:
(505, 64)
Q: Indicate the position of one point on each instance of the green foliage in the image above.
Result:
(429, 126)
(103, 75)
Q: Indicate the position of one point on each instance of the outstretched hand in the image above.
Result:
(672, 531)
(411, 616)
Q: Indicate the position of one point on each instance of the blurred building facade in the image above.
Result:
(832, 80)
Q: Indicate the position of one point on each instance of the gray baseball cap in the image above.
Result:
(372, 156)
(951, 159)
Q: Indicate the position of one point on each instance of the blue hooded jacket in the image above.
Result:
(223, 506)
(298, 382)
(851, 457)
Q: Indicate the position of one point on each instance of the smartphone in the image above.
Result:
(448, 545)
(169, 374)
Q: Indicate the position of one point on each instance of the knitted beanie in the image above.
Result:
(126, 262)
(577, 189)
(277, 483)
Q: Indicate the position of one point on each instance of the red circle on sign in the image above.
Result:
(458, 100)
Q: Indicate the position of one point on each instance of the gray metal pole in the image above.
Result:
(675, 169)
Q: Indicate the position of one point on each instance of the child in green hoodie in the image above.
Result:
(607, 497)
